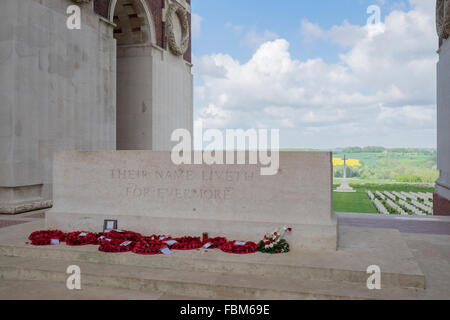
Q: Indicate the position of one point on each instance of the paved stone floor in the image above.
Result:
(44, 290)
(10, 220)
(432, 253)
(28, 216)
(7, 223)
(427, 237)
(38, 215)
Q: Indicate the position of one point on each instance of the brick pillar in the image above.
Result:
(101, 7)
(441, 205)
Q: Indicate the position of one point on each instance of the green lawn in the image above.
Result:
(353, 202)
(381, 185)
(360, 201)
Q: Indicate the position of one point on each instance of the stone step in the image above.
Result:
(48, 290)
(337, 266)
(211, 285)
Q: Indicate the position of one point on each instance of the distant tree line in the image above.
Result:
(394, 173)
(377, 149)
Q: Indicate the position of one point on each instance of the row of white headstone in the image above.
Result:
(397, 208)
(390, 196)
(400, 195)
(379, 194)
(415, 206)
(417, 195)
(426, 206)
(412, 208)
(380, 207)
(422, 206)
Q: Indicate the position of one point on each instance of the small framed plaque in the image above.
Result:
(109, 225)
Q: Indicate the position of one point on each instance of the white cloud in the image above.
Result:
(422, 117)
(382, 90)
(251, 38)
(345, 35)
(254, 39)
(196, 22)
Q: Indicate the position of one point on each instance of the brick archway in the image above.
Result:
(134, 22)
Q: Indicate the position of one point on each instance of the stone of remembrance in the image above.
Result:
(147, 193)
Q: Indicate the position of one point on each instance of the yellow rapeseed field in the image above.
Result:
(350, 162)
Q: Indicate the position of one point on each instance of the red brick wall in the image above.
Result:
(156, 7)
(441, 205)
(101, 7)
(188, 54)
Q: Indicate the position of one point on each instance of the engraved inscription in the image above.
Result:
(165, 194)
(142, 184)
(233, 176)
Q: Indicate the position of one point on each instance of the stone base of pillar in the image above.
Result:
(20, 199)
(441, 205)
(25, 207)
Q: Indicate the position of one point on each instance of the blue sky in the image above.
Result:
(338, 77)
(282, 17)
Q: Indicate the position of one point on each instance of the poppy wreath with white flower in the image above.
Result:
(151, 245)
(231, 247)
(156, 238)
(98, 238)
(115, 246)
(215, 242)
(80, 238)
(123, 235)
(45, 237)
(148, 247)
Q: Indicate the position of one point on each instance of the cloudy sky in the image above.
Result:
(318, 71)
